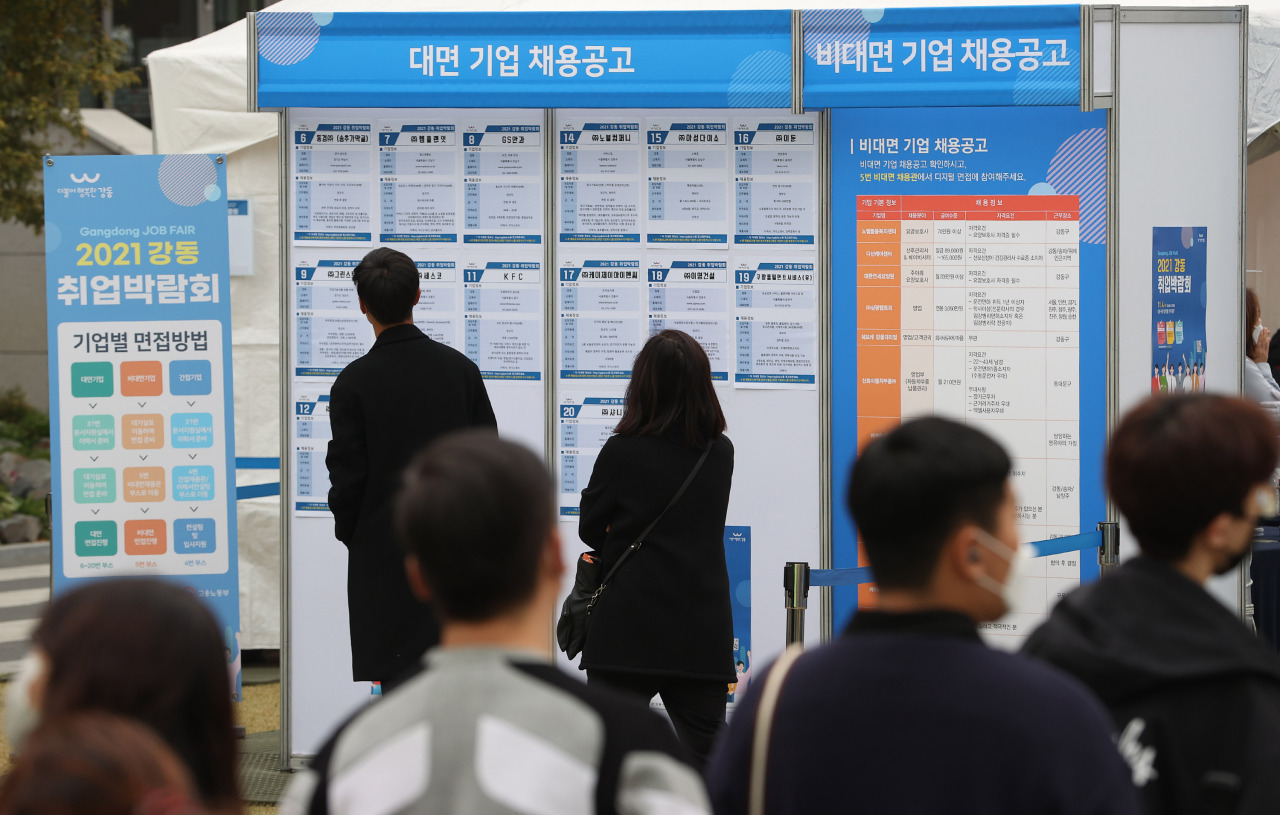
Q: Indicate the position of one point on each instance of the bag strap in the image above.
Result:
(640, 540)
(764, 727)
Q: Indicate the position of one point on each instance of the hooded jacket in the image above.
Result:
(1195, 697)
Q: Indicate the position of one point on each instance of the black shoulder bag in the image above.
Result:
(571, 630)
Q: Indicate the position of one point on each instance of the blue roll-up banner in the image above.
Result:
(969, 281)
(140, 400)
(737, 59)
(941, 57)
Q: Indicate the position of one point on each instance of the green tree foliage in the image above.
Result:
(49, 51)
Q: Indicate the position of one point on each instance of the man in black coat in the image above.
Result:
(384, 407)
(1194, 695)
(908, 711)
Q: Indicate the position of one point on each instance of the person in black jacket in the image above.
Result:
(384, 407)
(664, 625)
(1194, 695)
(907, 712)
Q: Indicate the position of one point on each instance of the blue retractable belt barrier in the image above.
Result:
(252, 463)
(1055, 546)
(257, 490)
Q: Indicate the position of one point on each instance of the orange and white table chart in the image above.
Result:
(968, 307)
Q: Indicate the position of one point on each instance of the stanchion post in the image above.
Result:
(1109, 551)
(795, 581)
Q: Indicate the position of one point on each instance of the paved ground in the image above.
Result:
(24, 592)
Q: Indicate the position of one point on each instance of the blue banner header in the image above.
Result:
(525, 59)
(942, 57)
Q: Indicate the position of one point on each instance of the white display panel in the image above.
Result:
(624, 267)
(645, 244)
(460, 192)
(1167, 70)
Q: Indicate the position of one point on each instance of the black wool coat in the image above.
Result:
(384, 408)
(667, 611)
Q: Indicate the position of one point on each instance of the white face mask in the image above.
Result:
(20, 716)
(1019, 559)
(1257, 332)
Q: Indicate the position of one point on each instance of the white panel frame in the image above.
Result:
(1180, 61)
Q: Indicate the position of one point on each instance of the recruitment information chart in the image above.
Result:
(969, 283)
(461, 192)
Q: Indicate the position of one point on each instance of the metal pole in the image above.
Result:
(1109, 551)
(795, 582)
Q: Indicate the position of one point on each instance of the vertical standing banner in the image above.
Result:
(969, 281)
(140, 395)
(1179, 299)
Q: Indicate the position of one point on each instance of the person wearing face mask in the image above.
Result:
(908, 711)
(1259, 383)
(1193, 694)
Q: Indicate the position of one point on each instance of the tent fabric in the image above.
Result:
(199, 106)
(1263, 101)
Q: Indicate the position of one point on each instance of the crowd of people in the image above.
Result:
(1141, 692)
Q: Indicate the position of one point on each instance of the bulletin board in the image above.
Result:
(798, 190)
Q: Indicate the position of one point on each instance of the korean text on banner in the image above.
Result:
(972, 285)
(140, 375)
(941, 57)
(737, 59)
(1179, 297)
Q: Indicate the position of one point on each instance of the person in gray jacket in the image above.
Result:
(488, 726)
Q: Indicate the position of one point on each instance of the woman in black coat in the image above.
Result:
(664, 626)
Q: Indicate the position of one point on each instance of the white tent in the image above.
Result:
(199, 98)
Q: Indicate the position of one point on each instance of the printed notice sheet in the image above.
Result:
(585, 424)
(688, 179)
(503, 304)
(418, 181)
(502, 178)
(693, 296)
(311, 434)
(600, 181)
(774, 166)
(601, 317)
(775, 323)
(333, 180)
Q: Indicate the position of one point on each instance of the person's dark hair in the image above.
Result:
(151, 651)
(670, 392)
(910, 489)
(387, 282)
(96, 764)
(1177, 462)
(476, 511)
(1252, 316)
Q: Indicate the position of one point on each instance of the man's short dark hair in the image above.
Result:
(913, 487)
(1177, 462)
(387, 282)
(476, 512)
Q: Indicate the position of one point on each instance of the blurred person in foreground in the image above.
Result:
(908, 711)
(489, 725)
(97, 764)
(1194, 695)
(145, 650)
(665, 623)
